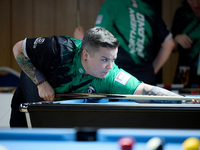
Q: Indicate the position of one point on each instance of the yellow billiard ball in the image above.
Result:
(191, 143)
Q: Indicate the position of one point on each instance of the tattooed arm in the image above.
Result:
(44, 88)
(146, 89)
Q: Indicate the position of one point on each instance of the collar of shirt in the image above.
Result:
(79, 67)
(80, 70)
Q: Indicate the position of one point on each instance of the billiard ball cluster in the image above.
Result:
(157, 143)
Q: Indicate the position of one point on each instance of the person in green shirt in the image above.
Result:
(145, 41)
(60, 64)
(186, 32)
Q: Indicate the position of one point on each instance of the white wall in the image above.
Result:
(5, 109)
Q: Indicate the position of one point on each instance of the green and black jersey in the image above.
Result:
(59, 59)
(185, 22)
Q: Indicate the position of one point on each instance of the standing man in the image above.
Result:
(186, 32)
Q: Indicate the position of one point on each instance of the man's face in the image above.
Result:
(195, 6)
(101, 62)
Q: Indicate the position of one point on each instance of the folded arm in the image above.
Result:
(183, 40)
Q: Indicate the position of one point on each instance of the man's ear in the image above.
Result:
(85, 54)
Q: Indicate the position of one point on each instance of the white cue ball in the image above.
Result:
(154, 143)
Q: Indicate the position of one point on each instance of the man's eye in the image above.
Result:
(104, 60)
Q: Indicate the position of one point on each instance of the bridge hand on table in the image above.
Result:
(193, 101)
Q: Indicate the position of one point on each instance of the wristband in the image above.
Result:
(41, 82)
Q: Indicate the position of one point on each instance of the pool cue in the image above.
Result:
(7, 89)
(123, 96)
(77, 13)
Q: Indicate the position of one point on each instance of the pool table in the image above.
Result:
(106, 113)
(105, 138)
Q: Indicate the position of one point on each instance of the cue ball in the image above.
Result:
(191, 143)
(155, 143)
(126, 143)
(3, 148)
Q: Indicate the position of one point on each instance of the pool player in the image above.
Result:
(61, 64)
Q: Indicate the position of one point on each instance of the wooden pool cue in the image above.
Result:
(77, 13)
(123, 96)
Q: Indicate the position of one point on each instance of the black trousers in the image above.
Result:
(26, 92)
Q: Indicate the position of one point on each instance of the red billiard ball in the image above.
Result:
(126, 143)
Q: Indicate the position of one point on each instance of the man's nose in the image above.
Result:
(110, 64)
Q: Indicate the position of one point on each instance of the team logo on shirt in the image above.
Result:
(122, 77)
(80, 70)
(90, 90)
(39, 40)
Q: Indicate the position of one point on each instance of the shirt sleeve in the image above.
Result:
(24, 48)
(161, 31)
(123, 82)
(41, 51)
(180, 21)
(48, 53)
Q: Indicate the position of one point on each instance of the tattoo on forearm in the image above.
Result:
(157, 91)
(35, 75)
